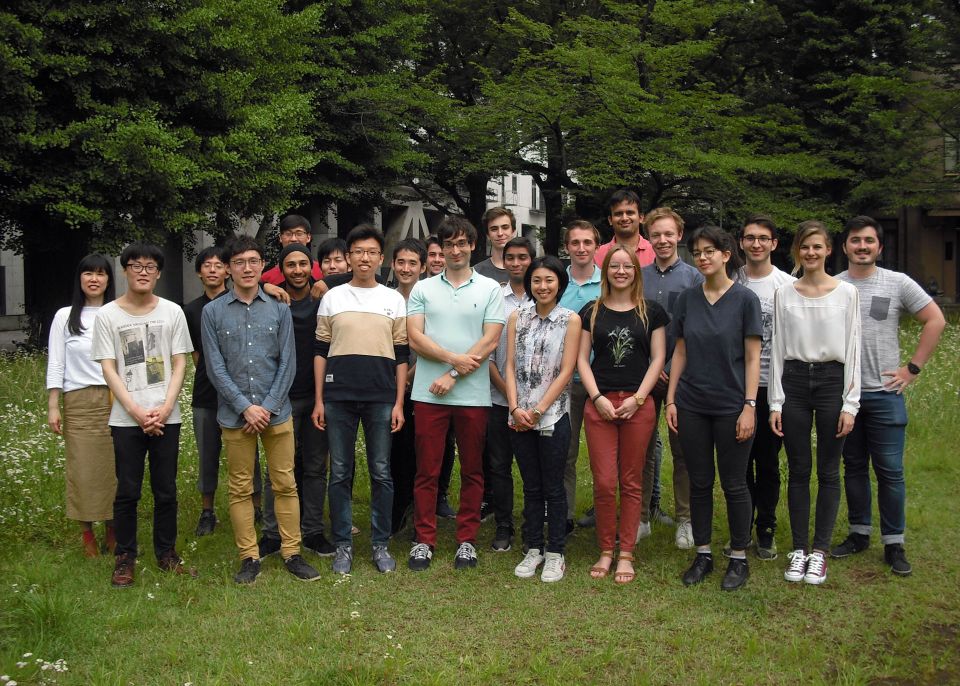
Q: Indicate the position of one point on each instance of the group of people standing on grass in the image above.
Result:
(508, 359)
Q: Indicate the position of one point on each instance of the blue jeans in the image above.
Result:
(542, 461)
(342, 421)
(878, 434)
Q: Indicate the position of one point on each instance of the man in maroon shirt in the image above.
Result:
(293, 229)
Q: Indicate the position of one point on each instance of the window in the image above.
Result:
(951, 155)
(536, 197)
(513, 183)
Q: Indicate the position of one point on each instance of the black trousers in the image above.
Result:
(130, 449)
(763, 468)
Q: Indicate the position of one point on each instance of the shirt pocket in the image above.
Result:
(265, 340)
(879, 308)
(230, 342)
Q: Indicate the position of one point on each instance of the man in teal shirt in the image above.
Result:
(454, 321)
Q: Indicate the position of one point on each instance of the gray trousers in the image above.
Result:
(578, 398)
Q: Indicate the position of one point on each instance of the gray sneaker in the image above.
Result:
(383, 560)
(299, 567)
(343, 559)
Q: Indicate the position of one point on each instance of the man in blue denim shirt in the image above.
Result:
(248, 341)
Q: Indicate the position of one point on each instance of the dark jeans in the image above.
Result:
(699, 435)
(542, 460)
(343, 418)
(311, 460)
(812, 393)
(498, 478)
(763, 469)
(130, 448)
(878, 435)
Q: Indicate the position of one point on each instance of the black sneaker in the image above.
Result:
(766, 545)
(588, 520)
(466, 556)
(738, 571)
(502, 539)
(299, 567)
(852, 544)
(486, 511)
(444, 510)
(420, 556)
(268, 545)
(208, 520)
(702, 565)
(895, 556)
(249, 571)
(319, 544)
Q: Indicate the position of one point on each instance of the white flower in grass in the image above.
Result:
(354, 615)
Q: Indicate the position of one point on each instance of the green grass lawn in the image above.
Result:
(61, 621)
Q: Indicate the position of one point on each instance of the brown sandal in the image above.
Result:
(624, 577)
(598, 571)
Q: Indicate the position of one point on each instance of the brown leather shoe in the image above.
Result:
(171, 562)
(123, 571)
(89, 544)
(109, 540)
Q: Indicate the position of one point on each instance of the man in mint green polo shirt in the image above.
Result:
(454, 322)
(580, 240)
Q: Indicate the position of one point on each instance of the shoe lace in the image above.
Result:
(421, 551)
(466, 550)
(798, 560)
(531, 557)
(552, 565)
(815, 563)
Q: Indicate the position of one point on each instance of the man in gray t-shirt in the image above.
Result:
(880, 430)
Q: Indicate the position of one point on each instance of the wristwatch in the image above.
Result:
(751, 402)
(454, 374)
(913, 369)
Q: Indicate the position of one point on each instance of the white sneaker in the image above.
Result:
(684, 535)
(643, 530)
(797, 567)
(816, 569)
(528, 565)
(553, 568)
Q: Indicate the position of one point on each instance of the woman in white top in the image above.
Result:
(814, 376)
(542, 343)
(91, 481)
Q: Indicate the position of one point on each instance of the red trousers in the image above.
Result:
(431, 424)
(617, 454)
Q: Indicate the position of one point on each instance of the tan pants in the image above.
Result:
(278, 446)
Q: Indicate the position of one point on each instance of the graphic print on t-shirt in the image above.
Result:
(142, 357)
(621, 345)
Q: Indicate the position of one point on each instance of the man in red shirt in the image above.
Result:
(293, 229)
(626, 219)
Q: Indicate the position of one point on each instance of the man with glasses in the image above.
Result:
(454, 322)
(293, 229)
(360, 365)
(212, 272)
(142, 343)
(758, 240)
(248, 341)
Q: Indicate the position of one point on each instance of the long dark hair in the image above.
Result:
(90, 263)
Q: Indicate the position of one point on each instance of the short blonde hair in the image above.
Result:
(580, 225)
(661, 213)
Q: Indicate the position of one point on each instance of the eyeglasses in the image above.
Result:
(296, 233)
(618, 267)
(138, 268)
(462, 244)
(360, 252)
(252, 262)
(762, 240)
(706, 252)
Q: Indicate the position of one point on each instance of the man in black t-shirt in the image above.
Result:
(212, 272)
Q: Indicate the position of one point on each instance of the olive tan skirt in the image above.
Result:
(91, 475)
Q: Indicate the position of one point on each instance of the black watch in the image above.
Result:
(751, 402)
(913, 369)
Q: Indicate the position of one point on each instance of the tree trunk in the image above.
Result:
(476, 185)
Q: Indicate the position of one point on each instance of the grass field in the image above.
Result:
(61, 622)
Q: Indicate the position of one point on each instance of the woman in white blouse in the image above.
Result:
(542, 343)
(91, 481)
(814, 377)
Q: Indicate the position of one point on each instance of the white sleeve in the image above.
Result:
(851, 360)
(775, 395)
(57, 349)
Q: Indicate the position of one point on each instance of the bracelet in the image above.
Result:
(593, 398)
(538, 413)
(514, 409)
(669, 404)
